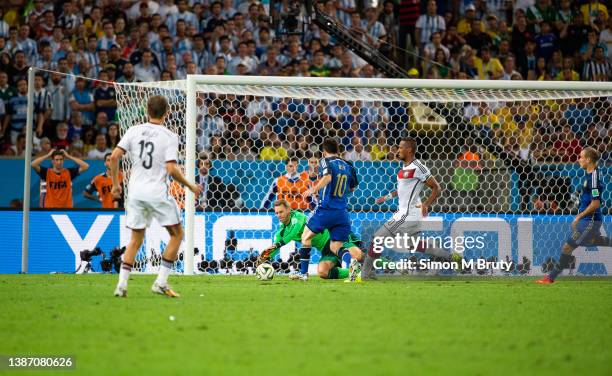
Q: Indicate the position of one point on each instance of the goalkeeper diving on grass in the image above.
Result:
(292, 224)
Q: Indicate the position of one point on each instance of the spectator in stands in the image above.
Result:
(318, 67)
(489, 68)
(216, 195)
(574, 36)
(509, 68)
(567, 147)
(76, 130)
(464, 26)
(7, 91)
(376, 34)
(42, 106)
(273, 150)
(476, 38)
(228, 10)
(591, 10)
(345, 9)
(598, 68)
(541, 11)
(60, 138)
(357, 152)
(82, 100)
(146, 70)
(128, 75)
(605, 37)
(429, 23)
(546, 41)
(587, 49)
(243, 58)
(45, 147)
(101, 148)
(112, 136)
(17, 150)
(568, 73)
(89, 140)
(436, 43)
(16, 110)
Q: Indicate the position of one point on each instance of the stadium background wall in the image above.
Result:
(57, 237)
(256, 177)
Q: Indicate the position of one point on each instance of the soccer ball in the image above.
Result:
(264, 272)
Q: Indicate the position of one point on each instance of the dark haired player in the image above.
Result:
(337, 179)
(411, 179)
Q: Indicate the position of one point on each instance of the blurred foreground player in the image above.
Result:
(587, 224)
(154, 152)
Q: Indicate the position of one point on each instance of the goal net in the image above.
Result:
(505, 155)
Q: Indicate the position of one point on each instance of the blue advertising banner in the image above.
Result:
(57, 238)
(252, 180)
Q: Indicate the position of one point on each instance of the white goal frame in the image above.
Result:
(192, 82)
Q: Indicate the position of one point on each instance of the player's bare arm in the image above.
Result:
(432, 183)
(83, 166)
(36, 163)
(325, 180)
(89, 196)
(114, 171)
(175, 172)
(389, 196)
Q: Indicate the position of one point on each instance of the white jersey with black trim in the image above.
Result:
(410, 181)
(150, 147)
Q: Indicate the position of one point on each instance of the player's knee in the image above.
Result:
(176, 231)
(356, 253)
(335, 246)
(323, 271)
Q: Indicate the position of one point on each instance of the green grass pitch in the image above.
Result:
(238, 325)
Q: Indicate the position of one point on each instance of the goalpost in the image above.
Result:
(491, 144)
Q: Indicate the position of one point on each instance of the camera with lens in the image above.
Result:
(86, 257)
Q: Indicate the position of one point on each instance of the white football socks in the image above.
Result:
(164, 272)
(124, 274)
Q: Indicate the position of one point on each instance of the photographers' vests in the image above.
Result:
(56, 189)
(292, 189)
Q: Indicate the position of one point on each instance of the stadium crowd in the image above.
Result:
(128, 41)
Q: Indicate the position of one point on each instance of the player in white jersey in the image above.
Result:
(154, 153)
(411, 179)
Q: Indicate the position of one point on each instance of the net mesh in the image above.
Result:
(505, 159)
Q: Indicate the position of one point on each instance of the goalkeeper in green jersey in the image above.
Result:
(292, 224)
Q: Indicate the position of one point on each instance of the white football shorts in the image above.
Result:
(139, 213)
